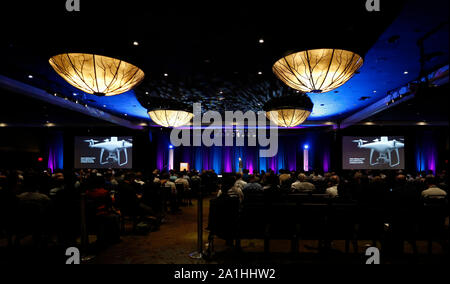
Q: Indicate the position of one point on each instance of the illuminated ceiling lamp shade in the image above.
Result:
(168, 113)
(170, 118)
(317, 70)
(289, 111)
(96, 74)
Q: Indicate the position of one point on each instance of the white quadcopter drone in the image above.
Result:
(114, 147)
(384, 146)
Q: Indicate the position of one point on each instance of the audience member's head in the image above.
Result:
(302, 177)
(334, 180)
(400, 180)
(430, 181)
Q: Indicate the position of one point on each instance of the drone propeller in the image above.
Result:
(360, 140)
(91, 140)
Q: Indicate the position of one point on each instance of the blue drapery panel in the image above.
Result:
(162, 150)
(55, 148)
(426, 151)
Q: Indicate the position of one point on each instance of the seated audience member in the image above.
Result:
(332, 191)
(271, 185)
(156, 176)
(59, 184)
(111, 183)
(252, 186)
(173, 177)
(169, 183)
(33, 210)
(8, 208)
(301, 185)
(183, 181)
(228, 188)
(236, 191)
(186, 187)
(284, 176)
(171, 191)
(239, 181)
(245, 176)
(257, 176)
(432, 190)
(130, 201)
(32, 195)
(107, 218)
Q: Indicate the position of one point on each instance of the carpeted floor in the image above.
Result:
(177, 238)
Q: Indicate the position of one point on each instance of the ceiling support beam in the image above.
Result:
(402, 94)
(36, 93)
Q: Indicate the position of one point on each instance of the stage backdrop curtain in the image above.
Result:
(426, 151)
(55, 150)
(226, 159)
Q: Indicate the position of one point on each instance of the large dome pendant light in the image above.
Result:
(96, 74)
(170, 118)
(317, 70)
(166, 112)
(289, 111)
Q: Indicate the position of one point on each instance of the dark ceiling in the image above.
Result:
(22, 111)
(211, 50)
(430, 105)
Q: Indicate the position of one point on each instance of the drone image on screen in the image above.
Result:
(114, 148)
(384, 147)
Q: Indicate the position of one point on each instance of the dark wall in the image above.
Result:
(21, 147)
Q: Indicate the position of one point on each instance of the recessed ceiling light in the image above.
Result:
(135, 43)
(259, 73)
(104, 105)
(406, 72)
(374, 91)
(146, 93)
(30, 76)
(3, 125)
(75, 94)
(261, 40)
(165, 74)
(220, 92)
(126, 114)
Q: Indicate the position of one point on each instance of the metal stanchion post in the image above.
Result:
(84, 233)
(199, 253)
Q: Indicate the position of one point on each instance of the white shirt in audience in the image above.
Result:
(332, 191)
(240, 183)
(299, 186)
(433, 192)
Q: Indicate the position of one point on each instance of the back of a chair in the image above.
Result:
(180, 188)
(253, 198)
(223, 216)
